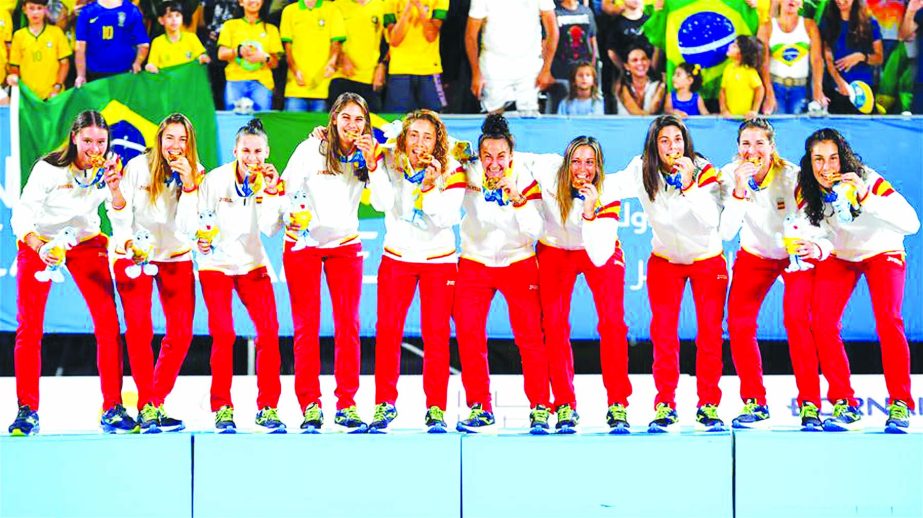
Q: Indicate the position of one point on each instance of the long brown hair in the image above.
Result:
(67, 153)
(158, 165)
(441, 151)
(650, 158)
(565, 197)
(858, 36)
(331, 147)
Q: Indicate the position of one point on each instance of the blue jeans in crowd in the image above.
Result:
(790, 99)
(304, 104)
(407, 93)
(259, 94)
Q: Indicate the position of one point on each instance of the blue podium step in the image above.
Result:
(401, 475)
(588, 475)
(96, 476)
(828, 475)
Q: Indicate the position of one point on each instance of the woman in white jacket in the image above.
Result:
(160, 189)
(580, 236)
(681, 195)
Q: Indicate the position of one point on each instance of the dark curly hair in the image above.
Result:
(495, 126)
(751, 51)
(811, 191)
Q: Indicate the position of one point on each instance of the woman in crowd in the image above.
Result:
(868, 239)
(57, 221)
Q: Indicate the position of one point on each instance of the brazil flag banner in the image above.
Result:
(699, 32)
(133, 106)
(288, 129)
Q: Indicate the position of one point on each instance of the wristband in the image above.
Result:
(238, 50)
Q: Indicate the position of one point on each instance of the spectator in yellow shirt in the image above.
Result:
(741, 85)
(252, 48)
(361, 68)
(6, 34)
(39, 54)
(414, 79)
(175, 46)
(312, 34)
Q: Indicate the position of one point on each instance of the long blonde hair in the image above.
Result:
(441, 151)
(331, 147)
(565, 197)
(158, 165)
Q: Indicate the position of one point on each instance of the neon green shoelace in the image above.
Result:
(663, 412)
(565, 413)
(808, 410)
(436, 414)
(270, 414)
(750, 407)
(381, 412)
(351, 413)
(710, 411)
(149, 412)
(897, 411)
(619, 413)
(225, 413)
(312, 413)
(541, 414)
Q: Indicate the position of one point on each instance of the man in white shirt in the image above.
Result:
(514, 63)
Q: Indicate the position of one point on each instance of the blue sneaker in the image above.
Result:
(706, 419)
(845, 417)
(149, 419)
(167, 423)
(567, 419)
(384, 414)
(538, 420)
(898, 417)
(810, 418)
(349, 419)
(753, 415)
(664, 419)
(617, 419)
(477, 421)
(435, 420)
(224, 420)
(313, 419)
(26, 422)
(268, 419)
(116, 420)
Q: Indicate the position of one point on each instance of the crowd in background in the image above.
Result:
(573, 57)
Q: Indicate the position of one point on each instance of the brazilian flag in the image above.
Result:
(133, 106)
(699, 32)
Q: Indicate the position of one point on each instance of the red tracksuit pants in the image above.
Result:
(343, 267)
(255, 291)
(88, 264)
(557, 273)
(753, 278)
(397, 282)
(474, 292)
(836, 280)
(665, 285)
(176, 288)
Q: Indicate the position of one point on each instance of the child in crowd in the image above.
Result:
(111, 39)
(252, 48)
(39, 54)
(175, 46)
(684, 100)
(584, 98)
(741, 86)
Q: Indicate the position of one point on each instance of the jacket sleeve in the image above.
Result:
(889, 207)
(703, 201)
(732, 215)
(443, 202)
(26, 211)
(528, 213)
(122, 220)
(600, 234)
(626, 183)
(380, 189)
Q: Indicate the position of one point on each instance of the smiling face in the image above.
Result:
(755, 146)
(251, 150)
(350, 123)
(92, 143)
(172, 21)
(583, 166)
(496, 156)
(825, 161)
(638, 63)
(173, 141)
(681, 79)
(670, 144)
(251, 7)
(420, 142)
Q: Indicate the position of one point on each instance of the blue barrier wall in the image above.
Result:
(891, 145)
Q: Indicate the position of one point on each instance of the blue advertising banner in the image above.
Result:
(891, 145)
